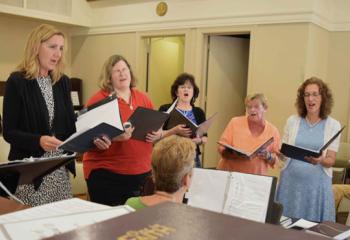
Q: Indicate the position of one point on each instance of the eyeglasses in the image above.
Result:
(313, 94)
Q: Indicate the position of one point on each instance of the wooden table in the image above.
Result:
(8, 206)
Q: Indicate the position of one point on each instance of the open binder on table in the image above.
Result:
(300, 153)
(242, 195)
(101, 118)
(176, 117)
(30, 170)
(146, 120)
(246, 154)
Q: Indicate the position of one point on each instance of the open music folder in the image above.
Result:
(146, 120)
(246, 154)
(99, 119)
(176, 118)
(30, 170)
(300, 153)
(242, 195)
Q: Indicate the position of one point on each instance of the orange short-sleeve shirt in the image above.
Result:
(237, 134)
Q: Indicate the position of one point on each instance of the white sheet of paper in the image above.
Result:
(172, 106)
(106, 113)
(64, 207)
(248, 196)
(47, 227)
(342, 236)
(75, 98)
(208, 189)
(303, 224)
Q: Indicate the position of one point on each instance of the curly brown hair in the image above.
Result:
(326, 96)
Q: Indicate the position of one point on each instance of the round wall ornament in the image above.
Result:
(162, 8)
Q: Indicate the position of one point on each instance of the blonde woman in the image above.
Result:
(246, 133)
(172, 164)
(38, 112)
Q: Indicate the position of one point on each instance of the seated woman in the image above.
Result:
(172, 163)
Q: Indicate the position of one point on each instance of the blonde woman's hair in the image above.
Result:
(257, 96)
(172, 158)
(105, 80)
(30, 63)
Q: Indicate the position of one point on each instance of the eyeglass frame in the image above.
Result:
(313, 94)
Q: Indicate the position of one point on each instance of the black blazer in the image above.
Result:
(25, 115)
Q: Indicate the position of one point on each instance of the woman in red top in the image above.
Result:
(117, 168)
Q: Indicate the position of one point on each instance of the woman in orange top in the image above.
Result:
(247, 133)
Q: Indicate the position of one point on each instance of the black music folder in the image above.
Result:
(30, 170)
(99, 119)
(300, 153)
(176, 118)
(146, 120)
(245, 154)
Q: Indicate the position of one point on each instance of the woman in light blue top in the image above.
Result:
(305, 188)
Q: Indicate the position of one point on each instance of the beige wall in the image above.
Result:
(277, 66)
(90, 53)
(339, 77)
(14, 32)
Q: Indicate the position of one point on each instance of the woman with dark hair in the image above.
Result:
(117, 169)
(305, 188)
(185, 91)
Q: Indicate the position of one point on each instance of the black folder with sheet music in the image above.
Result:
(146, 120)
(245, 154)
(30, 170)
(99, 119)
(176, 118)
(300, 153)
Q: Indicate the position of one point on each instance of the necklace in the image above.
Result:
(130, 102)
(310, 124)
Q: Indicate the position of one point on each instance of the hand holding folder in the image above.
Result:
(246, 154)
(100, 119)
(300, 153)
(177, 118)
(146, 120)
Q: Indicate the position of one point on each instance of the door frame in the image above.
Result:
(205, 34)
(141, 52)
